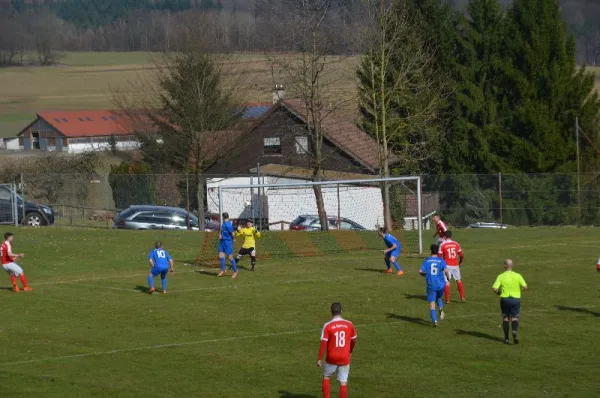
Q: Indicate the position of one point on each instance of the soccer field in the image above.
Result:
(88, 328)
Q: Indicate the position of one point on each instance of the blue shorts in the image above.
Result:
(226, 247)
(159, 271)
(394, 253)
(434, 295)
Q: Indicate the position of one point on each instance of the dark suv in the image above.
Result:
(34, 215)
(155, 217)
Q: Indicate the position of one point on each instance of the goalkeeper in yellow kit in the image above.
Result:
(249, 246)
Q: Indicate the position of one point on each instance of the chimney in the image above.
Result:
(278, 93)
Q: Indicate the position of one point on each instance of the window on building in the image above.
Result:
(301, 145)
(272, 145)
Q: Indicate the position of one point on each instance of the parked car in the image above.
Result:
(143, 217)
(28, 213)
(488, 225)
(312, 223)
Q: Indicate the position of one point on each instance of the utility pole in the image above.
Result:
(578, 172)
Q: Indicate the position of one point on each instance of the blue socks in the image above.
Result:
(434, 315)
(163, 282)
(387, 263)
(151, 281)
(397, 266)
(233, 264)
(440, 304)
(222, 261)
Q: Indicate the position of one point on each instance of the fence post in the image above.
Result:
(500, 195)
(23, 195)
(578, 177)
(339, 218)
(106, 200)
(419, 216)
(220, 193)
(15, 207)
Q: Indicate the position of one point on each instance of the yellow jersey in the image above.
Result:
(510, 284)
(249, 234)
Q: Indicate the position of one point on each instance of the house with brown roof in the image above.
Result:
(89, 130)
(278, 141)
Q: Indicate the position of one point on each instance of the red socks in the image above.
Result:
(13, 280)
(447, 293)
(344, 391)
(23, 280)
(326, 388)
(461, 289)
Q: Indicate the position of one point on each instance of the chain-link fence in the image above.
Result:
(93, 200)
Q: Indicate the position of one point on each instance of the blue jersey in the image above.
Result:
(391, 241)
(227, 232)
(160, 257)
(433, 268)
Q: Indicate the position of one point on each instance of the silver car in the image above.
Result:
(144, 217)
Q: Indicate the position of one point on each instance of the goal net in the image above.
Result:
(285, 210)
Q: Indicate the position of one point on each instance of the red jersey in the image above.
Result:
(339, 337)
(450, 251)
(441, 229)
(5, 249)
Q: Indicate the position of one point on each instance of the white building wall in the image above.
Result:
(361, 204)
(102, 146)
(12, 144)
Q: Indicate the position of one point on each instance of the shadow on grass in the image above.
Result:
(209, 273)
(143, 289)
(416, 297)
(479, 335)
(378, 270)
(578, 309)
(417, 321)
(287, 394)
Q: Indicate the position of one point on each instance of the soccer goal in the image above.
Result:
(352, 206)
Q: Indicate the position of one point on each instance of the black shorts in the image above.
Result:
(511, 307)
(243, 251)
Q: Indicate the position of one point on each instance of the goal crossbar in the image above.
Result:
(416, 179)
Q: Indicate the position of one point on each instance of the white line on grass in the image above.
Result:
(246, 337)
(236, 286)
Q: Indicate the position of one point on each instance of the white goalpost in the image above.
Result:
(276, 203)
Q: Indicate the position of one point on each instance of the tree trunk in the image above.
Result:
(200, 198)
(320, 202)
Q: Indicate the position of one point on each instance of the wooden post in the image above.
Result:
(500, 196)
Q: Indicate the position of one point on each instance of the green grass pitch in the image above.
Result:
(88, 329)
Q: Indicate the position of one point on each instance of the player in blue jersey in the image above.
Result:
(392, 252)
(226, 238)
(433, 269)
(160, 261)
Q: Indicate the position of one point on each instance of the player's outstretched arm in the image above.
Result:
(172, 264)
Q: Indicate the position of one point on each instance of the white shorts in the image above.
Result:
(13, 269)
(342, 371)
(454, 273)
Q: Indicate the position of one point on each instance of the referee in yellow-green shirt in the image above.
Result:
(508, 286)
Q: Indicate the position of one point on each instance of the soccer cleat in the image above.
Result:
(164, 292)
(442, 315)
(447, 302)
(27, 289)
(222, 273)
(252, 269)
(234, 275)
(151, 290)
(506, 341)
(400, 273)
(16, 289)
(464, 300)
(435, 324)
(389, 271)
(515, 338)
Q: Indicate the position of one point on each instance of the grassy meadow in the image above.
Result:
(90, 329)
(88, 81)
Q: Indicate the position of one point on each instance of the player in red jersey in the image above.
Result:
(451, 252)
(338, 338)
(9, 265)
(598, 265)
(440, 229)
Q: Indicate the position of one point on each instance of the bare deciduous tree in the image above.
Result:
(400, 92)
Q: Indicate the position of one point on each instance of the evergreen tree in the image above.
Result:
(475, 133)
(542, 91)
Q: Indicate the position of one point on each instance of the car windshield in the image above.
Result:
(301, 221)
